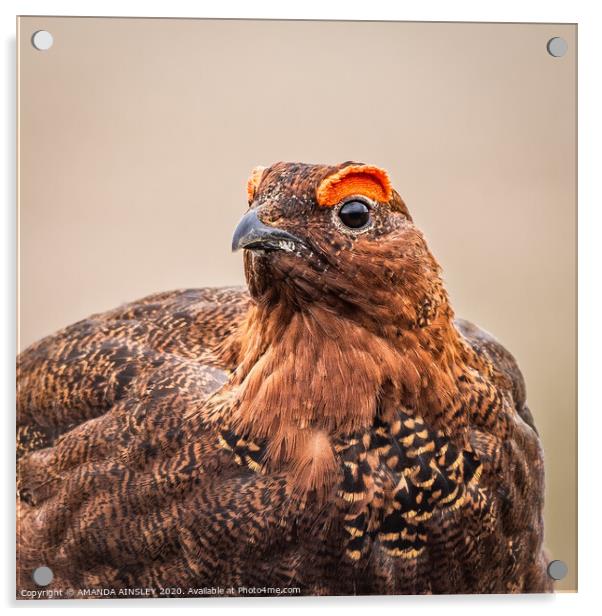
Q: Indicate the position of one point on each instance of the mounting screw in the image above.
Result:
(42, 576)
(557, 569)
(42, 40)
(557, 47)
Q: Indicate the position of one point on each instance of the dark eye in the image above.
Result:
(355, 214)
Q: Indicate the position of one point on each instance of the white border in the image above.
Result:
(587, 15)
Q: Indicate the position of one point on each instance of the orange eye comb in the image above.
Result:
(372, 182)
(253, 182)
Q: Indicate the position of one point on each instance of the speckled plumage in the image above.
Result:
(333, 428)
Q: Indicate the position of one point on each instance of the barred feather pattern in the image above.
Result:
(125, 486)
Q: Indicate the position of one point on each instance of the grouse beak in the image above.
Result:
(252, 234)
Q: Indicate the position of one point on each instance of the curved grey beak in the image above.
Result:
(252, 234)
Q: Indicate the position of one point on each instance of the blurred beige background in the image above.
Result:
(137, 137)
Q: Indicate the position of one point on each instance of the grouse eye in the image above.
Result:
(354, 214)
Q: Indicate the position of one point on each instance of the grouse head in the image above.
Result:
(341, 237)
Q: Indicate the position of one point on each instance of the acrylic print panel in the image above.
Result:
(326, 427)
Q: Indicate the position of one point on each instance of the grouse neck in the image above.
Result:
(313, 371)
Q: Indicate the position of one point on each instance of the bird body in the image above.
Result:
(332, 429)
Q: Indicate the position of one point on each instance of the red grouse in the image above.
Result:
(331, 429)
